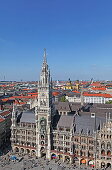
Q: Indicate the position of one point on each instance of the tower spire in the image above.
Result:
(45, 59)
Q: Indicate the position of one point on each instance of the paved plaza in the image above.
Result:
(36, 164)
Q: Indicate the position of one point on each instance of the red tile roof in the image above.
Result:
(19, 102)
(97, 95)
(99, 88)
(5, 113)
(96, 84)
(32, 94)
(75, 91)
(20, 97)
(55, 93)
(1, 119)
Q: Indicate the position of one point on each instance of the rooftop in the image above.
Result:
(5, 113)
(28, 116)
(1, 119)
(65, 121)
(86, 124)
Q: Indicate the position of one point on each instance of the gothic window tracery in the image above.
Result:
(42, 124)
(108, 145)
(41, 103)
(102, 145)
(44, 103)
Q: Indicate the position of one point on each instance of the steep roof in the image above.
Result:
(65, 121)
(28, 116)
(67, 106)
(85, 123)
(63, 106)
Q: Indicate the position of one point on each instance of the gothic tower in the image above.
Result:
(13, 126)
(43, 112)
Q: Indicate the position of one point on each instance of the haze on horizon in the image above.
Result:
(77, 36)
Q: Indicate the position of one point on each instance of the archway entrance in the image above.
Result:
(33, 153)
(108, 165)
(67, 159)
(102, 165)
(16, 149)
(42, 151)
(22, 150)
(27, 151)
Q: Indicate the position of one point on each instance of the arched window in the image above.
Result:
(108, 145)
(102, 145)
(108, 153)
(102, 164)
(97, 143)
(66, 150)
(42, 136)
(42, 142)
(22, 142)
(16, 149)
(103, 152)
(33, 144)
(28, 143)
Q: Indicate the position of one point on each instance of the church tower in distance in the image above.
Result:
(43, 112)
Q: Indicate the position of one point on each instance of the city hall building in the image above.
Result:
(74, 138)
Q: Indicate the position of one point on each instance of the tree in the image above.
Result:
(63, 99)
(109, 102)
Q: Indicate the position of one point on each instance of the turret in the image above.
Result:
(45, 73)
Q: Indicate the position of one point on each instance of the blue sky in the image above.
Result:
(76, 33)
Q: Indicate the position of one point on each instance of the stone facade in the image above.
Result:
(42, 132)
(43, 112)
(5, 128)
(104, 145)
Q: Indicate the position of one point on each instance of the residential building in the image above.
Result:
(5, 128)
(76, 98)
(96, 97)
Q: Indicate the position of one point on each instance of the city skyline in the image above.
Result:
(77, 36)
